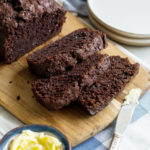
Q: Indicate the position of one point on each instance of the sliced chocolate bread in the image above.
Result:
(62, 55)
(57, 92)
(61, 90)
(108, 85)
(25, 24)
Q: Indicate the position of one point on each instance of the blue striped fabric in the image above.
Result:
(78, 6)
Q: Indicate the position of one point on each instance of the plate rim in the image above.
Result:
(123, 40)
(121, 32)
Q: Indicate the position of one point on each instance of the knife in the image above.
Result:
(124, 117)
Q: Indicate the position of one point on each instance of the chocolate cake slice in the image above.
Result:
(25, 24)
(62, 55)
(108, 85)
(61, 90)
(57, 92)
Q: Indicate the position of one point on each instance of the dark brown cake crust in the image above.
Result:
(60, 91)
(25, 24)
(62, 55)
(108, 85)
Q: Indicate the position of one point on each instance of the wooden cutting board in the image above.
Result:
(15, 82)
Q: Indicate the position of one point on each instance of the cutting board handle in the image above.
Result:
(115, 142)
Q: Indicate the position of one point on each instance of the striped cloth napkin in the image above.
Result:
(77, 6)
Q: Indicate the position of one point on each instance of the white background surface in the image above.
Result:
(141, 52)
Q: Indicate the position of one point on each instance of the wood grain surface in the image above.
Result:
(17, 97)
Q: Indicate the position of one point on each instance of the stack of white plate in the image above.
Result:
(125, 21)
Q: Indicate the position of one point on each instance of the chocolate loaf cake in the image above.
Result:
(25, 24)
(61, 90)
(108, 85)
(62, 55)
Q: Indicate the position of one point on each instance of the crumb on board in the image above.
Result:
(18, 97)
(32, 96)
(10, 82)
(28, 81)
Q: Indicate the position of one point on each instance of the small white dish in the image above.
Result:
(127, 17)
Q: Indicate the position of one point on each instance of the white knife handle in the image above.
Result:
(115, 142)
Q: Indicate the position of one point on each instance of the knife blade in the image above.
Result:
(125, 115)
